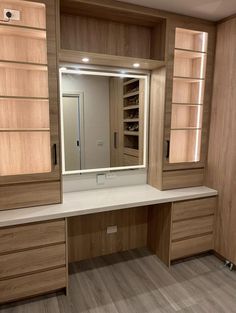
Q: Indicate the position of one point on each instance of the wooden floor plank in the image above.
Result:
(137, 282)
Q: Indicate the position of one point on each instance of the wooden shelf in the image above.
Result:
(23, 129)
(131, 81)
(131, 107)
(186, 128)
(131, 133)
(191, 40)
(130, 151)
(131, 94)
(32, 13)
(187, 95)
(75, 57)
(131, 120)
(188, 79)
(26, 45)
(16, 31)
(189, 54)
(187, 104)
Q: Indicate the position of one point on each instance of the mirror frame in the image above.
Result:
(101, 72)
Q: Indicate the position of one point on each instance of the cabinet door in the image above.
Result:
(29, 136)
(187, 104)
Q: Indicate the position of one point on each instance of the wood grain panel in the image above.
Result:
(29, 261)
(87, 235)
(193, 208)
(32, 14)
(23, 45)
(182, 178)
(24, 113)
(31, 285)
(25, 152)
(29, 194)
(221, 165)
(104, 36)
(23, 80)
(31, 235)
(189, 247)
(159, 231)
(192, 228)
(156, 133)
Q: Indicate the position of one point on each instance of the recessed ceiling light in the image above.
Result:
(136, 65)
(85, 60)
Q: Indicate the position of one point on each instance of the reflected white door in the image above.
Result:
(72, 132)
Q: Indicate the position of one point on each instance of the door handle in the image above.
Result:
(167, 149)
(55, 154)
(115, 140)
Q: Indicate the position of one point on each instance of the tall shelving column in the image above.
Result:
(132, 121)
(188, 95)
(24, 95)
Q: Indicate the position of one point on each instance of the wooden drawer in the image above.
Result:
(30, 285)
(130, 160)
(193, 227)
(188, 247)
(29, 261)
(193, 208)
(31, 235)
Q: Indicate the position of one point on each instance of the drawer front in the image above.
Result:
(29, 261)
(30, 285)
(194, 227)
(193, 208)
(32, 235)
(130, 160)
(188, 247)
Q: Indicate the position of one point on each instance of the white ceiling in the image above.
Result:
(213, 10)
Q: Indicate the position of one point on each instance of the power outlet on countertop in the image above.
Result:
(15, 14)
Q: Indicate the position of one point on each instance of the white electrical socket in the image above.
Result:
(15, 14)
(112, 229)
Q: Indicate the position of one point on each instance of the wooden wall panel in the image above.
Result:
(108, 37)
(156, 133)
(27, 195)
(221, 165)
(159, 231)
(87, 235)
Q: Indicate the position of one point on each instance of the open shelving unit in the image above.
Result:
(133, 102)
(190, 58)
(24, 95)
(110, 36)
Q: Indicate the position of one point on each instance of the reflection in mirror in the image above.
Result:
(103, 120)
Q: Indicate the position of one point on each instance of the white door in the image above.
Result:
(72, 132)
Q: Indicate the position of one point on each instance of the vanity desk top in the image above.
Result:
(101, 200)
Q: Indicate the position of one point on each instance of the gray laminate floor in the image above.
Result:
(137, 281)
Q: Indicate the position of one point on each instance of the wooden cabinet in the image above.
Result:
(221, 164)
(181, 229)
(192, 227)
(111, 35)
(32, 259)
(29, 131)
(126, 121)
(181, 122)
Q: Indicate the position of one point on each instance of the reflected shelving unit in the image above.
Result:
(133, 105)
(24, 95)
(190, 56)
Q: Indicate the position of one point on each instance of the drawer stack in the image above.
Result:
(192, 227)
(32, 259)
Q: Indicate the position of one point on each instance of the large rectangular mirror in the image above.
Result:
(103, 120)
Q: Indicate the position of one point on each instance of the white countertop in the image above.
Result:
(101, 200)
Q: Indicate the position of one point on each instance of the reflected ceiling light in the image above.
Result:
(136, 65)
(85, 60)
(63, 68)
